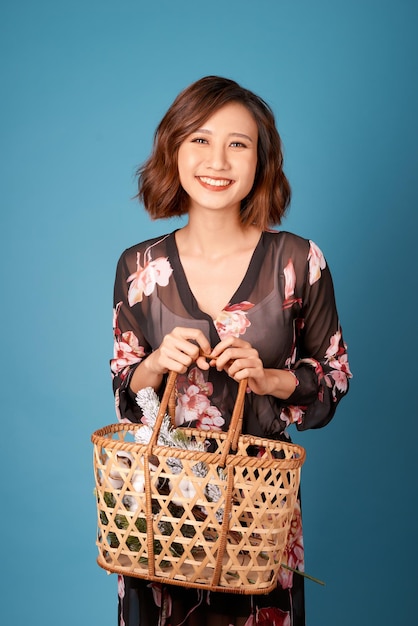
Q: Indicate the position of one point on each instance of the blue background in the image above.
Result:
(83, 86)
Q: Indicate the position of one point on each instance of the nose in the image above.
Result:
(217, 158)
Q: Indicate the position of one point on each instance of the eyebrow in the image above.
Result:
(209, 132)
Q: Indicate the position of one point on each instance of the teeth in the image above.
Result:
(214, 182)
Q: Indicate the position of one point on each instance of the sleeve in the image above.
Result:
(320, 362)
(130, 346)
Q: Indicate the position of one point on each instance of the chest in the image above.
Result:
(213, 283)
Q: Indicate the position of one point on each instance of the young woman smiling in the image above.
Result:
(258, 303)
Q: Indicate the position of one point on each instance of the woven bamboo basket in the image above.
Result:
(173, 530)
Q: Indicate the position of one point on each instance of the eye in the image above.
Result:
(200, 140)
(238, 144)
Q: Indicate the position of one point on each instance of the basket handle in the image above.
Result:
(235, 426)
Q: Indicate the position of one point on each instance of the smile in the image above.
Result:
(218, 183)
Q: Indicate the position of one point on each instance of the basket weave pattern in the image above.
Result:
(174, 530)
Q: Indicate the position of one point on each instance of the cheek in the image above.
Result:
(186, 169)
(185, 164)
(181, 169)
(251, 171)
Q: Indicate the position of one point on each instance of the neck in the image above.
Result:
(216, 235)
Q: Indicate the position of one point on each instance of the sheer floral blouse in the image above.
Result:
(284, 307)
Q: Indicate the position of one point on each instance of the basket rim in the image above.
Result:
(100, 438)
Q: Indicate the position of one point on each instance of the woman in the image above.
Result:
(259, 302)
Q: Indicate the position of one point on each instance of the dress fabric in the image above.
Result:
(285, 308)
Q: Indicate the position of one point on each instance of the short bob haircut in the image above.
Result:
(159, 185)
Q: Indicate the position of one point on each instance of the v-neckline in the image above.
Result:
(242, 292)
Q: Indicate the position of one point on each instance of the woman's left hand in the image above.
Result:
(240, 360)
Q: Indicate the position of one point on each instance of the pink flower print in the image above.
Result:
(162, 599)
(116, 329)
(289, 280)
(292, 414)
(338, 361)
(340, 380)
(316, 263)
(211, 420)
(293, 555)
(289, 286)
(191, 405)
(344, 365)
(157, 593)
(145, 278)
(127, 351)
(334, 345)
(121, 594)
(117, 406)
(341, 363)
(196, 377)
(291, 360)
(121, 587)
(271, 616)
(232, 321)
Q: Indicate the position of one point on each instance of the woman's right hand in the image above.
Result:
(178, 350)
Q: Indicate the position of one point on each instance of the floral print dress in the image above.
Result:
(285, 308)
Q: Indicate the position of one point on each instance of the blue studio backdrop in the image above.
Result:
(84, 84)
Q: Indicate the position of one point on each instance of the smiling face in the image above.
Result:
(217, 163)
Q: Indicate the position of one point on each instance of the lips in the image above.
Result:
(215, 184)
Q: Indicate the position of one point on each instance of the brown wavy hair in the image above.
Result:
(159, 185)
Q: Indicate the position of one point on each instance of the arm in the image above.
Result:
(130, 347)
(137, 364)
(317, 372)
(320, 362)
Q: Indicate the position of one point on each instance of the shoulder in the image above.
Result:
(288, 244)
(304, 255)
(146, 251)
(156, 244)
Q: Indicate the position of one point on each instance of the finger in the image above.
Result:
(244, 369)
(183, 352)
(191, 333)
(228, 344)
(222, 346)
(194, 337)
(235, 355)
(202, 363)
